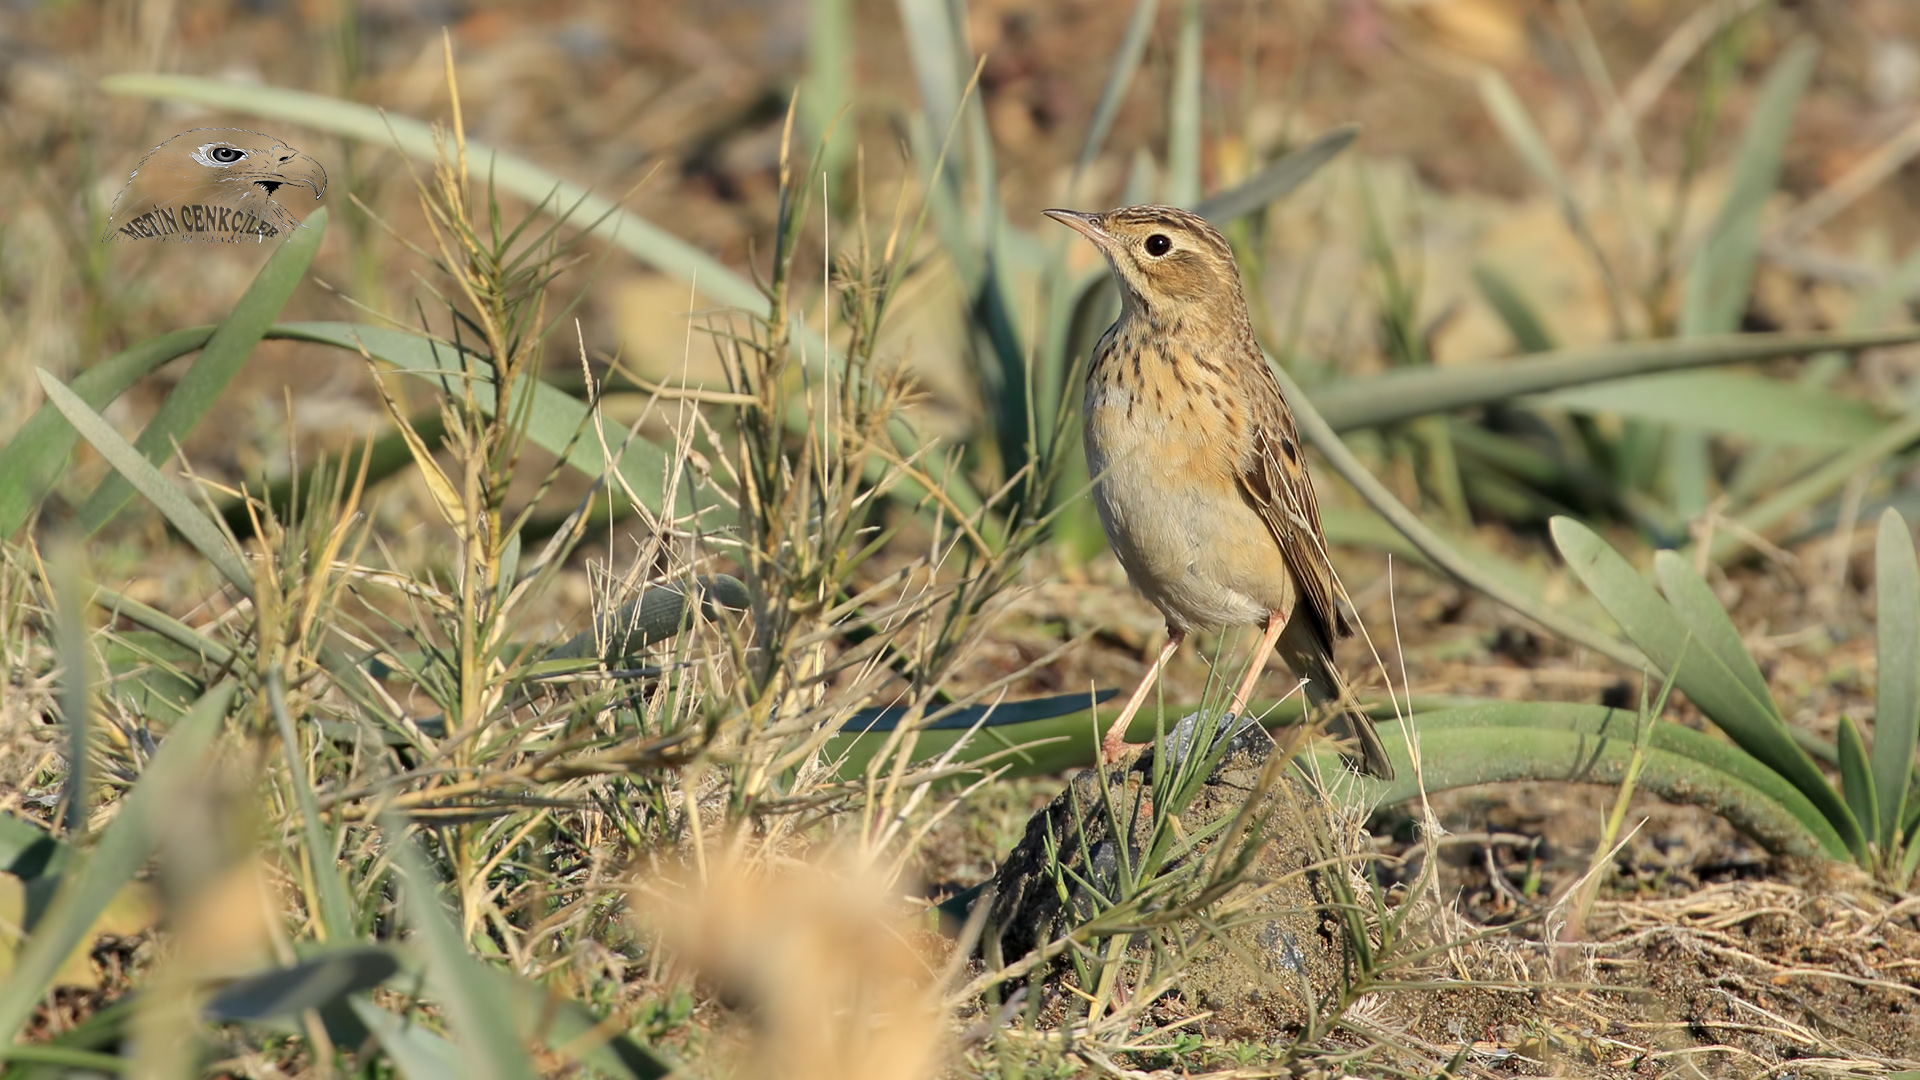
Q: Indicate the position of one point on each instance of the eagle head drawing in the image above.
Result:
(222, 185)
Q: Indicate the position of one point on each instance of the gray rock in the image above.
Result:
(1282, 947)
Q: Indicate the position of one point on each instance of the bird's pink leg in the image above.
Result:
(1275, 623)
(1115, 743)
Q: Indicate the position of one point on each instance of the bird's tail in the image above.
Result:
(1329, 697)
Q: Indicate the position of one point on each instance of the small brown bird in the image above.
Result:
(214, 184)
(1199, 475)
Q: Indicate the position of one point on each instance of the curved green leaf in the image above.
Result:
(1411, 392)
(1462, 746)
(1654, 626)
(1729, 403)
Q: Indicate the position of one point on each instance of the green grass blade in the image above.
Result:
(1896, 722)
(1529, 330)
(119, 606)
(1856, 777)
(1407, 393)
(828, 84)
(1183, 112)
(1653, 625)
(1277, 180)
(934, 46)
(418, 1054)
(76, 701)
(31, 463)
(572, 1030)
(191, 522)
(1720, 275)
(1516, 125)
(1729, 403)
(329, 887)
(91, 883)
(1762, 517)
(480, 1015)
(1120, 72)
(222, 358)
(1712, 630)
(646, 242)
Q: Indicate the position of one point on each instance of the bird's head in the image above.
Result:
(1167, 260)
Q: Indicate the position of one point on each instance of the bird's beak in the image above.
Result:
(305, 171)
(1087, 225)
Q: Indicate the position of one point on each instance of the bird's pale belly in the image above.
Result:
(1189, 543)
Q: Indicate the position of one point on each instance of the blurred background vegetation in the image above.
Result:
(1706, 214)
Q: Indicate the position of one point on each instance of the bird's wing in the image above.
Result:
(213, 184)
(1273, 476)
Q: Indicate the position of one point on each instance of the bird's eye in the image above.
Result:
(1158, 244)
(226, 155)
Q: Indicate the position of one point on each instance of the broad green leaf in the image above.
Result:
(1183, 112)
(1654, 626)
(480, 1015)
(309, 984)
(1411, 392)
(1707, 621)
(1896, 721)
(1729, 403)
(91, 882)
(1856, 777)
(192, 522)
(226, 352)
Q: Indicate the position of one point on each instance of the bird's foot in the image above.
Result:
(1116, 747)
